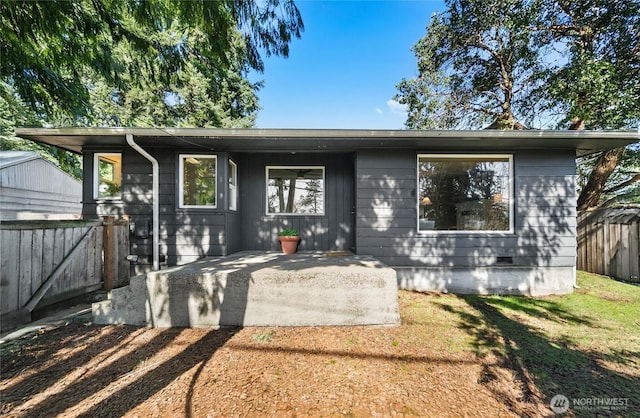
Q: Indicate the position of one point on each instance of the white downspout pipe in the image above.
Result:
(156, 201)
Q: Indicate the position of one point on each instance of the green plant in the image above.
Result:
(265, 337)
(288, 232)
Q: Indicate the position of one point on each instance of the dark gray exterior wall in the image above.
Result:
(382, 187)
(185, 234)
(190, 234)
(332, 231)
(544, 215)
(543, 236)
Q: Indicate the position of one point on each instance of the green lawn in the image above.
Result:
(585, 346)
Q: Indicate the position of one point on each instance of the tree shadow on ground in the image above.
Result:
(16, 358)
(77, 389)
(543, 366)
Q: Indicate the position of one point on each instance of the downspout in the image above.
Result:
(156, 202)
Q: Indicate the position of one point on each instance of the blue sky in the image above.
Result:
(343, 71)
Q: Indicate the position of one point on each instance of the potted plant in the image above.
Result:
(289, 240)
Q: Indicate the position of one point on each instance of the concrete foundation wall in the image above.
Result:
(530, 281)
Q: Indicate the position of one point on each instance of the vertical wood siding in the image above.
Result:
(185, 234)
(331, 231)
(545, 224)
(384, 195)
(189, 234)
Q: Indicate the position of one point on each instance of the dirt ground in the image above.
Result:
(421, 368)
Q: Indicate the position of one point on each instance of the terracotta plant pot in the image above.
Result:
(289, 243)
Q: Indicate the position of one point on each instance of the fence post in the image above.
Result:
(109, 253)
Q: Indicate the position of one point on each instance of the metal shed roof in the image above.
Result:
(332, 140)
(9, 158)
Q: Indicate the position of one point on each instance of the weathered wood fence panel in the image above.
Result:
(609, 241)
(45, 262)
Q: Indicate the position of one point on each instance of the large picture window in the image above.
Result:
(198, 181)
(465, 193)
(295, 190)
(107, 176)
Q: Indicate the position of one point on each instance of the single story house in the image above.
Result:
(33, 188)
(463, 211)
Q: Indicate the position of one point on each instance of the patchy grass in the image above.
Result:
(431, 318)
(585, 346)
(264, 337)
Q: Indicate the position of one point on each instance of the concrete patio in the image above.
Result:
(259, 289)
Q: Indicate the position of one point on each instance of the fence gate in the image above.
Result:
(45, 262)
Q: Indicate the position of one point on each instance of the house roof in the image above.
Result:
(332, 140)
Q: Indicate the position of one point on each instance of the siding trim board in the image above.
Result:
(371, 199)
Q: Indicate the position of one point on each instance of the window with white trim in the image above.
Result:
(107, 175)
(233, 185)
(465, 193)
(197, 181)
(295, 190)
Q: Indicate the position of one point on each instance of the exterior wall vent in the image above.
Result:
(504, 260)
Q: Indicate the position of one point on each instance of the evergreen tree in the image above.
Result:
(504, 64)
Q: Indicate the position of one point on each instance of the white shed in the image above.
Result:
(33, 188)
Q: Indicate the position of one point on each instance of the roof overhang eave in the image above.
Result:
(331, 140)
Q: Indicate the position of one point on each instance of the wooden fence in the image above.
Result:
(45, 262)
(608, 241)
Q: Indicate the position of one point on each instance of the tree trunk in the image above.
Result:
(506, 122)
(605, 165)
(281, 195)
(292, 196)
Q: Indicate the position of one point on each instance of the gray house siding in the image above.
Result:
(189, 234)
(331, 231)
(186, 234)
(537, 257)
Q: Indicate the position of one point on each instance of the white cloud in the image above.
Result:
(397, 108)
(379, 111)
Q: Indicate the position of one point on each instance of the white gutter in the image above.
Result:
(156, 200)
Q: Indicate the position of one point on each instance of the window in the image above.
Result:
(197, 181)
(295, 190)
(107, 176)
(465, 193)
(233, 186)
